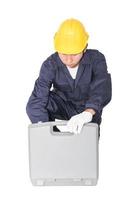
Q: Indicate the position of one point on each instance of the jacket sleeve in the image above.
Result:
(100, 86)
(36, 106)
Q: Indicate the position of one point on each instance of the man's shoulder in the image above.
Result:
(91, 55)
(51, 57)
(51, 60)
(93, 52)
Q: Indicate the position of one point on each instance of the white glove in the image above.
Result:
(61, 128)
(39, 122)
(76, 122)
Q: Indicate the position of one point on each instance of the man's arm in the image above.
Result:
(92, 111)
(36, 106)
(100, 87)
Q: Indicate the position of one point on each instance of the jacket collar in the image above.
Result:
(82, 64)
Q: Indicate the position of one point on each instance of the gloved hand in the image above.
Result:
(76, 122)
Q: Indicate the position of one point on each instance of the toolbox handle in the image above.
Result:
(59, 123)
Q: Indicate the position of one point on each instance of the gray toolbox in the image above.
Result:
(63, 158)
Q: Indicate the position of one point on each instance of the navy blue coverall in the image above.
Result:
(90, 89)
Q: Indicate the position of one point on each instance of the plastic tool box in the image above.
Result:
(63, 158)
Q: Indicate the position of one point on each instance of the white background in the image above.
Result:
(26, 40)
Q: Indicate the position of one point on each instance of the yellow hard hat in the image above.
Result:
(71, 37)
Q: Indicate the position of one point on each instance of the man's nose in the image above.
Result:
(69, 58)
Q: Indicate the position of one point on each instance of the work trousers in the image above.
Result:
(58, 108)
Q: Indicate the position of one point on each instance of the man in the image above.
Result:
(81, 83)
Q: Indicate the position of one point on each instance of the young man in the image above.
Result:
(80, 80)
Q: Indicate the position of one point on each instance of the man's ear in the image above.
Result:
(85, 48)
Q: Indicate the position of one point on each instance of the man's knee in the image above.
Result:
(28, 111)
(35, 115)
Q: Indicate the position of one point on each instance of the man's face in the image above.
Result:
(71, 60)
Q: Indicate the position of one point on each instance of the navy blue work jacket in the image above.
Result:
(91, 88)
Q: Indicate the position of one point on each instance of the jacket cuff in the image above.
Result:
(95, 107)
